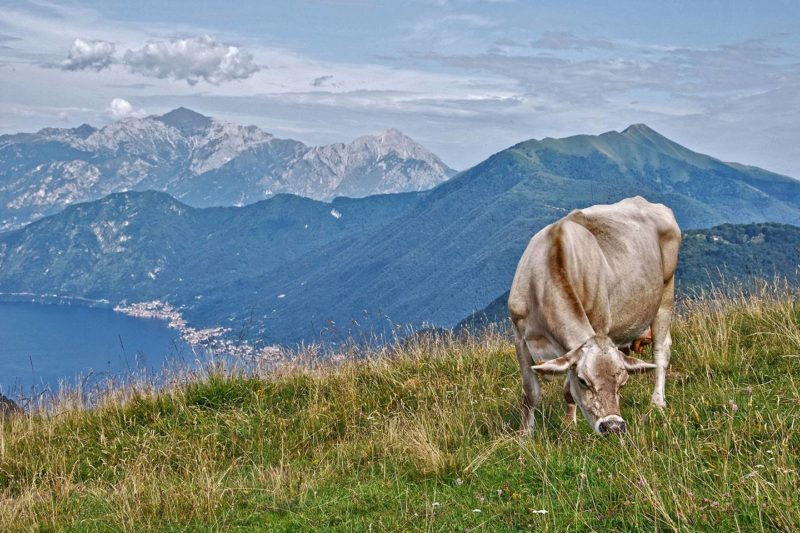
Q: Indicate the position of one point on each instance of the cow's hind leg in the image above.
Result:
(531, 389)
(662, 342)
(569, 418)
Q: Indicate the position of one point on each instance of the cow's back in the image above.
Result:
(640, 243)
(637, 243)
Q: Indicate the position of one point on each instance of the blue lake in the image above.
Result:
(42, 345)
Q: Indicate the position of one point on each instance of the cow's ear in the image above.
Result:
(559, 365)
(634, 365)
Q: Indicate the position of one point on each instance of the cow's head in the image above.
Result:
(597, 370)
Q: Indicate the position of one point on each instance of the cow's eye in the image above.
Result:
(583, 383)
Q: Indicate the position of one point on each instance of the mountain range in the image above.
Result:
(296, 268)
(200, 160)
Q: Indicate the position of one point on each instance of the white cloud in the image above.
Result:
(87, 54)
(192, 59)
(121, 108)
(564, 40)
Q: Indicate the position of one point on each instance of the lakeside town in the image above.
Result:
(215, 340)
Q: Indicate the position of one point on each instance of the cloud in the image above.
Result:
(320, 81)
(192, 59)
(87, 54)
(564, 40)
(121, 108)
(450, 21)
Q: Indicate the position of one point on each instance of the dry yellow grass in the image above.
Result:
(422, 436)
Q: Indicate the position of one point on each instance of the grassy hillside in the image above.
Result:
(424, 439)
(739, 252)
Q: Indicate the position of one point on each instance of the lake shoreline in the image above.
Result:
(44, 345)
(54, 299)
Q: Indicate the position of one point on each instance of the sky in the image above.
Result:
(466, 78)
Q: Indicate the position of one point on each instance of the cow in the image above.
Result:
(587, 286)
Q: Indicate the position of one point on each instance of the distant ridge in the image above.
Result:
(201, 160)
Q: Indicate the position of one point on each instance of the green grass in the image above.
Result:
(425, 438)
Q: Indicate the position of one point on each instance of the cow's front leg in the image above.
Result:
(662, 344)
(531, 389)
(569, 418)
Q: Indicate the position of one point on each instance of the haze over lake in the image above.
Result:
(41, 345)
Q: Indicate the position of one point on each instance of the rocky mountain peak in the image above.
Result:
(391, 141)
(639, 129)
(186, 121)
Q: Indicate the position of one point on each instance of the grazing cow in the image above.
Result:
(586, 286)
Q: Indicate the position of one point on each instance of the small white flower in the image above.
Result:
(539, 511)
(477, 511)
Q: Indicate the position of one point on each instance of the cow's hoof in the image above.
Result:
(658, 401)
(527, 428)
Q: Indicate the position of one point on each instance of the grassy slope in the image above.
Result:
(426, 441)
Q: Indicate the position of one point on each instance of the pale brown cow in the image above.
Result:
(586, 285)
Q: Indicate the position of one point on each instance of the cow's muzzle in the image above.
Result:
(612, 425)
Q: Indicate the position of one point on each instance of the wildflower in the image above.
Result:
(749, 390)
(477, 511)
(733, 406)
(435, 504)
(641, 482)
(539, 511)
(459, 482)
